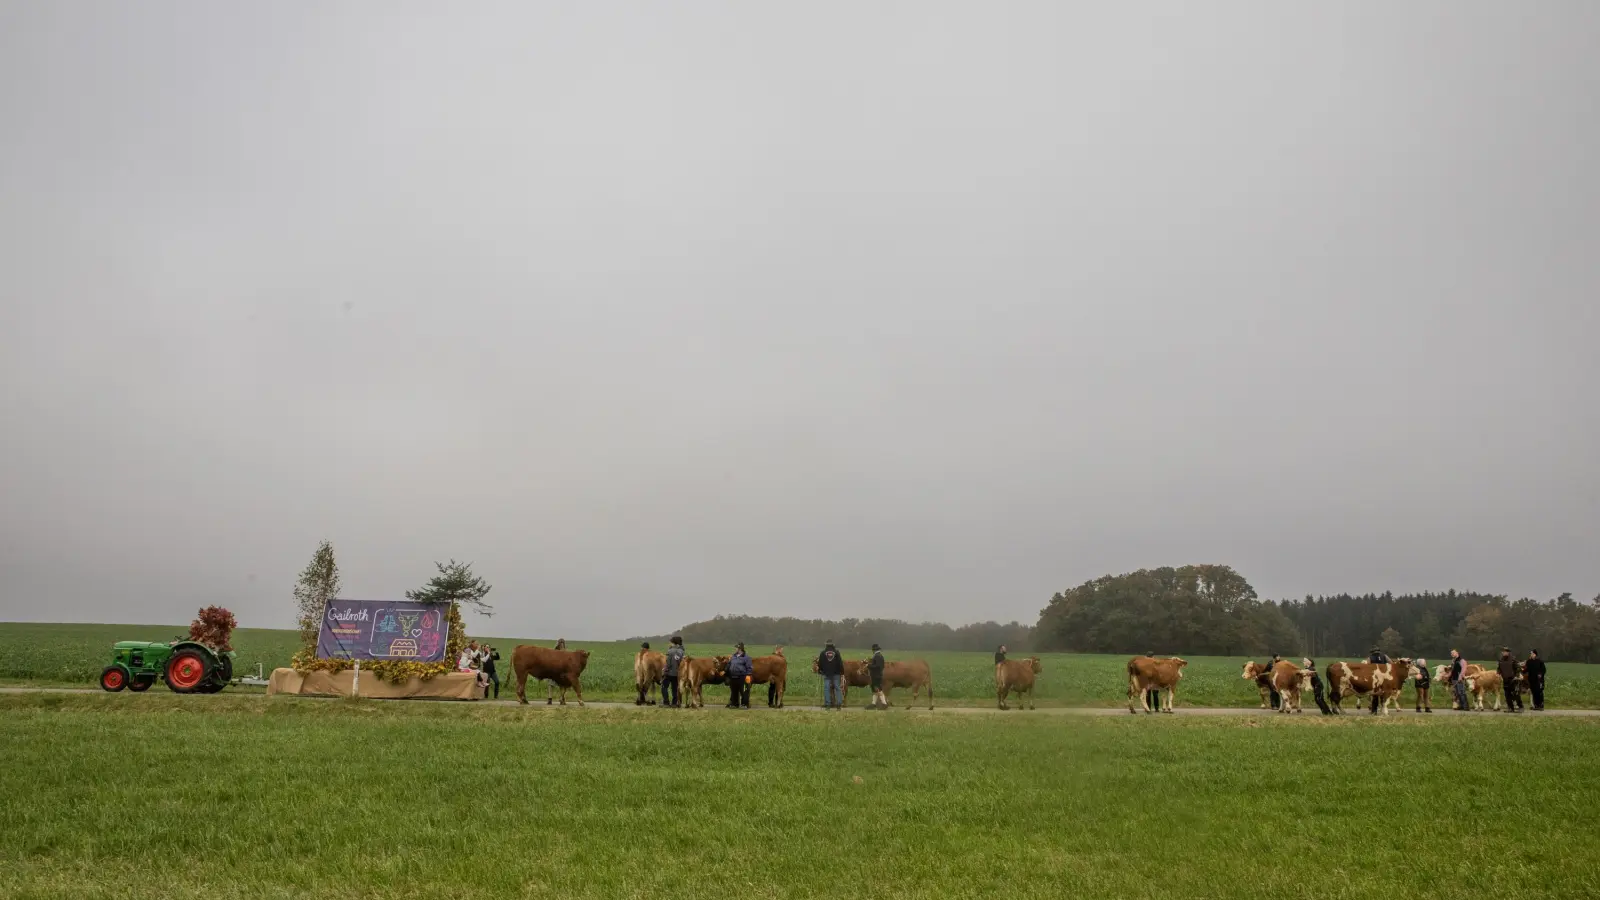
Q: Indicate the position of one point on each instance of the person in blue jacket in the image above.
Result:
(739, 671)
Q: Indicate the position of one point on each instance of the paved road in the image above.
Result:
(959, 710)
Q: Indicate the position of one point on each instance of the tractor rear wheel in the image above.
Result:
(141, 683)
(113, 678)
(187, 671)
(224, 671)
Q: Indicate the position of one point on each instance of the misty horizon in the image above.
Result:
(920, 312)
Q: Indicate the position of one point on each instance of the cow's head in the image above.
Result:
(1441, 672)
(1035, 665)
(582, 655)
(1252, 671)
(816, 666)
(778, 650)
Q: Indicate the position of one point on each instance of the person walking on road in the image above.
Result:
(1310, 667)
(1508, 680)
(830, 665)
(739, 672)
(669, 672)
(1534, 670)
(1458, 680)
(875, 674)
(1272, 685)
(1424, 683)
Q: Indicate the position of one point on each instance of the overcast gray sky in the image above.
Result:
(656, 311)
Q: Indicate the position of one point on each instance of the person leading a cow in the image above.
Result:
(1378, 657)
(830, 665)
(1458, 680)
(1508, 680)
(1309, 667)
(875, 675)
(669, 673)
(489, 655)
(739, 671)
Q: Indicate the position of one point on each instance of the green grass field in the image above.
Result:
(245, 796)
(75, 654)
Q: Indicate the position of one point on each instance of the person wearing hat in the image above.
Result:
(739, 672)
(875, 674)
(830, 665)
(669, 672)
(1534, 670)
(1377, 657)
(1508, 680)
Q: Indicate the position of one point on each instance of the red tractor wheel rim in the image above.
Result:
(112, 678)
(186, 672)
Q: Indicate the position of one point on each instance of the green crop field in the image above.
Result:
(245, 796)
(74, 655)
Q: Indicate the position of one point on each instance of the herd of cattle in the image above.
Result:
(1146, 675)
(564, 670)
(1380, 681)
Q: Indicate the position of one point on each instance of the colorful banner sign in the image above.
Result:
(383, 629)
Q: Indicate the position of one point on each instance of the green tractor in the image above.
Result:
(189, 667)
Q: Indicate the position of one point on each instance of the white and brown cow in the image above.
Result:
(1284, 677)
(1146, 673)
(1364, 679)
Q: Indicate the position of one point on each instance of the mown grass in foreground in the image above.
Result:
(75, 654)
(222, 797)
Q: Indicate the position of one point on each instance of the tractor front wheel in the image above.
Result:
(141, 683)
(187, 671)
(113, 678)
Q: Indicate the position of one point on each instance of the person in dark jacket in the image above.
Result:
(669, 672)
(1272, 689)
(739, 672)
(489, 655)
(1310, 667)
(1508, 680)
(1377, 657)
(875, 675)
(1152, 697)
(1534, 670)
(830, 665)
(1423, 679)
(1000, 655)
(1457, 679)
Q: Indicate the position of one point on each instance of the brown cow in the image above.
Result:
(772, 671)
(1284, 677)
(1146, 673)
(910, 673)
(856, 674)
(648, 666)
(1488, 682)
(563, 668)
(696, 672)
(1017, 675)
(1380, 680)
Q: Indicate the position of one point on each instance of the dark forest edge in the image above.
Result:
(1211, 610)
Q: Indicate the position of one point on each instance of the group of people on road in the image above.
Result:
(1509, 669)
(480, 661)
(830, 665)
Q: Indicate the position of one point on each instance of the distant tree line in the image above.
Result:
(1202, 610)
(854, 633)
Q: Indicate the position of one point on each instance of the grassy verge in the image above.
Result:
(239, 796)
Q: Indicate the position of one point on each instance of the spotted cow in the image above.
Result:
(1364, 679)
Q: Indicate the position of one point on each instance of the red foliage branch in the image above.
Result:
(214, 628)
